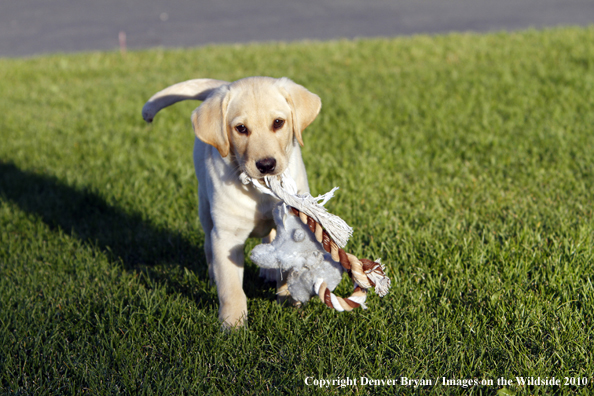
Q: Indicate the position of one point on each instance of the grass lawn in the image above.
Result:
(465, 162)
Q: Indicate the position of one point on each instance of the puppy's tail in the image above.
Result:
(198, 89)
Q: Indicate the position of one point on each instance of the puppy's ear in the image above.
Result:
(305, 106)
(210, 121)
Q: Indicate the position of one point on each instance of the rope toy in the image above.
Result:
(309, 245)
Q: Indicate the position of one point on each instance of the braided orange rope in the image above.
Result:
(364, 272)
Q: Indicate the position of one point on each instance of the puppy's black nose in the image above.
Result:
(266, 165)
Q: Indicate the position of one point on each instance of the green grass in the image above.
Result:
(465, 162)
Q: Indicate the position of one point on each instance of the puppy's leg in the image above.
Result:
(227, 266)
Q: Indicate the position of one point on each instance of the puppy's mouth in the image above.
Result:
(246, 179)
(259, 175)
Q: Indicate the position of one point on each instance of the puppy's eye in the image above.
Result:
(241, 129)
(278, 124)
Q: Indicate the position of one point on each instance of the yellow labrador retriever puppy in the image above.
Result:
(253, 125)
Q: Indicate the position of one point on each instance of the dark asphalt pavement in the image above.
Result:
(29, 27)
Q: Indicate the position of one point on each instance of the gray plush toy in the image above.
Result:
(295, 250)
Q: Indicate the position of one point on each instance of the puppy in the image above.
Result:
(253, 125)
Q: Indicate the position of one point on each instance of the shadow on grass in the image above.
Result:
(140, 245)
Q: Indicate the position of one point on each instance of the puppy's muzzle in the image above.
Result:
(266, 165)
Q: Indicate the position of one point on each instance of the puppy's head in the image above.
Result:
(255, 121)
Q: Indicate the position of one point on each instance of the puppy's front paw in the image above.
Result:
(233, 316)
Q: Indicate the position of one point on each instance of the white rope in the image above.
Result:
(285, 189)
